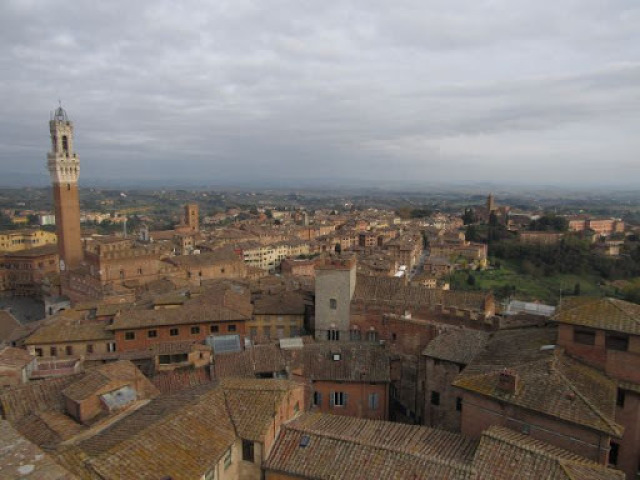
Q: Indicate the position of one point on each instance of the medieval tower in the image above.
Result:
(64, 167)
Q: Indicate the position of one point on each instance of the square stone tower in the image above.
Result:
(335, 286)
(191, 218)
(64, 168)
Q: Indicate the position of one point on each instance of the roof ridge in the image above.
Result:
(612, 424)
(435, 458)
(529, 447)
(616, 304)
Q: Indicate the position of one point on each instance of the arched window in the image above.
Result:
(65, 144)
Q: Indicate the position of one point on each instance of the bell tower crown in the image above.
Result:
(63, 163)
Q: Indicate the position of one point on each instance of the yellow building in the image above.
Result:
(16, 240)
(277, 316)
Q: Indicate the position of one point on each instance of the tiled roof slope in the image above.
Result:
(8, 323)
(253, 403)
(21, 459)
(392, 291)
(507, 455)
(286, 303)
(457, 345)
(351, 448)
(180, 436)
(601, 313)
(356, 362)
(122, 372)
(181, 379)
(64, 330)
(216, 304)
(548, 381)
(18, 402)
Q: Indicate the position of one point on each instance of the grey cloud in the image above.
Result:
(290, 90)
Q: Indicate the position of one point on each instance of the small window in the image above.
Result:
(435, 398)
(333, 335)
(372, 336)
(374, 400)
(584, 336)
(620, 397)
(338, 399)
(231, 328)
(38, 352)
(617, 342)
(53, 351)
(247, 451)
(111, 347)
(333, 304)
(613, 453)
(458, 404)
(68, 350)
(227, 459)
(214, 328)
(152, 333)
(317, 399)
(129, 335)
(354, 335)
(195, 330)
(89, 348)
(174, 332)
(164, 359)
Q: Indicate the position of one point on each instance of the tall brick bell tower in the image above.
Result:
(64, 167)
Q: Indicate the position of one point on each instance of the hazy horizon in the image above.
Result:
(295, 94)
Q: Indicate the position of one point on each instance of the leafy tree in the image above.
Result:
(549, 223)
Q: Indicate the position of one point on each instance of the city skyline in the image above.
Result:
(349, 94)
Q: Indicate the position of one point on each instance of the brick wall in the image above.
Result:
(357, 399)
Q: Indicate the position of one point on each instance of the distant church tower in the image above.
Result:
(491, 203)
(191, 219)
(64, 167)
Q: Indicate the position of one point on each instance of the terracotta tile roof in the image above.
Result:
(601, 313)
(267, 358)
(21, 459)
(219, 256)
(392, 291)
(14, 357)
(253, 404)
(210, 307)
(237, 364)
(119, 373)
(351, 448)
(181, 379)
(507, 455)
(18, 402)
(8, 323)
(180, 436)
(457, 345)
(548, 381)
(286, 303)
(65, 330)
(356, 362)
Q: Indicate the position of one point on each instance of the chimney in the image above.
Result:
(508, 381)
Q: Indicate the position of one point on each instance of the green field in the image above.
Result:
(529, 287)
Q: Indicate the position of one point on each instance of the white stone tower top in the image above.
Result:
(62, 161)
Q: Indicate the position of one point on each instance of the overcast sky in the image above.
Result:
(372, 91)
